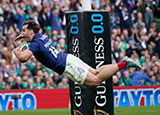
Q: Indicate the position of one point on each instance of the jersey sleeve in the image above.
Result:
(34, 46)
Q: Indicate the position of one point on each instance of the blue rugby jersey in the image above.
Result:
(45, 53)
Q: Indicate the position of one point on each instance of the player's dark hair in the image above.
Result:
(32, 25)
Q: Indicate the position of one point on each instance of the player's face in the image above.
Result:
(26, 33)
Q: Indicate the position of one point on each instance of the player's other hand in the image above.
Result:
(19, 40)
(18, 45)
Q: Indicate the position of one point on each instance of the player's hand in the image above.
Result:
(19, 42)
(18, 46)
(19, 37)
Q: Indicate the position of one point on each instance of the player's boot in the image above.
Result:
(131, 63)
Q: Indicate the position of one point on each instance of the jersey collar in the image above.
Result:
(36, 35)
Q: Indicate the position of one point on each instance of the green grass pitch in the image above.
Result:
(150, 110)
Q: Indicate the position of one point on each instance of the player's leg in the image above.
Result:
(96, 76)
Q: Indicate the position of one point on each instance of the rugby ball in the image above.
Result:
(24, 47)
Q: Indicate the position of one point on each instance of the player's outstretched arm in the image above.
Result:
(23, 56)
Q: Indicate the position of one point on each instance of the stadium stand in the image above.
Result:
(135, 32)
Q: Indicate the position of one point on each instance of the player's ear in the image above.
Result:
(31, 32)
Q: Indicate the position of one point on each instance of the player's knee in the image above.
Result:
(97, 83)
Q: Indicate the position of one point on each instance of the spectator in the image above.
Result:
(148, 16)
(37, 2)
(56, 78)
(124, 14)
(18, 84)
(61, 34)
(54, 40)
(43, 19)
(28, 14)
(63, 44)
(139, 77)
(38, 66)
(49, 31)
(26, 72)
(18, 17)
(116, 50)
(38, 83)
(40, 74)
(6, 54)
(21, 70)
(25, 81)
(30, 65)
(56, 21)
(115, 81)
(30, 84)
(157, 9)
(63, 83)
(48, 84)
(126, 79)
(10, 82)
(123, 45)
(2, 62)
(147, 64)
(6, 72)
(1, 82)
(150, 83)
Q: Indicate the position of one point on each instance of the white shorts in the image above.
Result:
(76, 69)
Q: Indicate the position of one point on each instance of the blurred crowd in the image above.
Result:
(134, 32)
